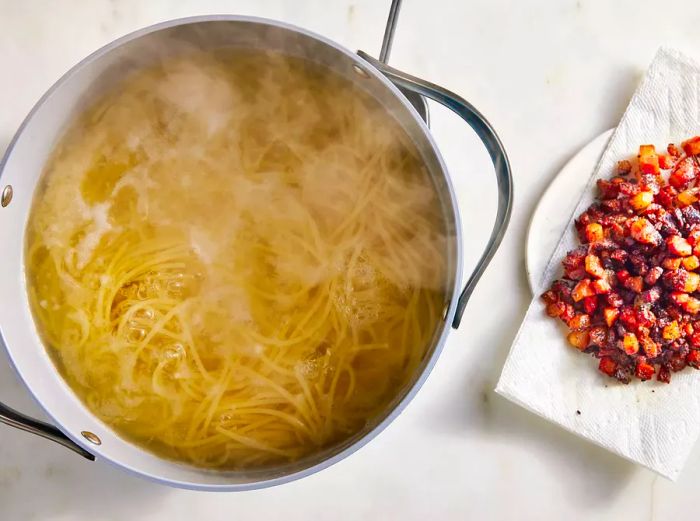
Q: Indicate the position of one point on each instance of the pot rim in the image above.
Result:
(453, 296)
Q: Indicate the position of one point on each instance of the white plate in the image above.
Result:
(555, 207)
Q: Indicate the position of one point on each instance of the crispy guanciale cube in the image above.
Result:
(694, 340)
(610, 315)
(601, 286)
(648, 160)
(692, 306)
(624, 167)
(590, 304)
(644, 370)
(683, 173)
(549, 296)
(667, 197)
(693, 236)
(651, 348)
(691, 263)
(642, 231)
(607, 365)
(578, 339)
(555, 309)
(677, 363)
(688, 197)
(666, 161)
(645, 316)
(628, 317)
(594, 267)
(597, 336)
(692, 146)
(630, 344)
(653, 275)
(628, 281)
(580, 322)
(641, 200)
(671, 263)
(582, 290)
(681, 280)
(649, 297)
(608, 189)
(687, 303)
(678, 298)
(568, 313)
(635, 284)
(664, 374)
(671, 331)
(631, 291)
(573, 263)
(594, 232)
(693, 358)
(678, 246)
(614, 299)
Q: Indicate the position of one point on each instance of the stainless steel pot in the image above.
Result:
(20, 170)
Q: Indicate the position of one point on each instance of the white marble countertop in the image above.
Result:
(550, 76)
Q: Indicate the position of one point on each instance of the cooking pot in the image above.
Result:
(77, 428)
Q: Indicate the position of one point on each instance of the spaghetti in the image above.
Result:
(236, 259)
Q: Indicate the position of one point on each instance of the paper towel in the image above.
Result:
(653, 424)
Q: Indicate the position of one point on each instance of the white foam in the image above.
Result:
(98, 214)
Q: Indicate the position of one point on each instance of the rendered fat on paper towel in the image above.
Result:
(546, 376)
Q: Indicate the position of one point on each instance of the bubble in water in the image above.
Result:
(308, 368)
(175, 352)
(226, 417)
(136, 334)
(176, 287)
(142, 292)
(145, 313)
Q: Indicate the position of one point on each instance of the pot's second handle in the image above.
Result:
(495, 148)
(20, 421)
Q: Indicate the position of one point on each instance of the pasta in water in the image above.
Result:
(236, 259)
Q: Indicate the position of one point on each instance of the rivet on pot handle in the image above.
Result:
(492, 143)
(20, 421)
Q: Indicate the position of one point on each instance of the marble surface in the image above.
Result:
(550, 76)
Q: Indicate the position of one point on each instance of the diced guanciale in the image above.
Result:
(631, 292)
(648, 160)
(688, 197)
(683, 174)
(582, 290)
(677, 245)
(644, 371)
(672, 331)
(693, 358)
(594, 232)
(642, 200)
(665, 161)
(594, 267)
(578, 339)
(641, 230)
(611, 315)
(607, 365)
(630, 344)
(692, 146)
(601, 286)
(691, 263)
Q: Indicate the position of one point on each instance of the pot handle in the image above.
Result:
(20, 421)
(495, 149)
